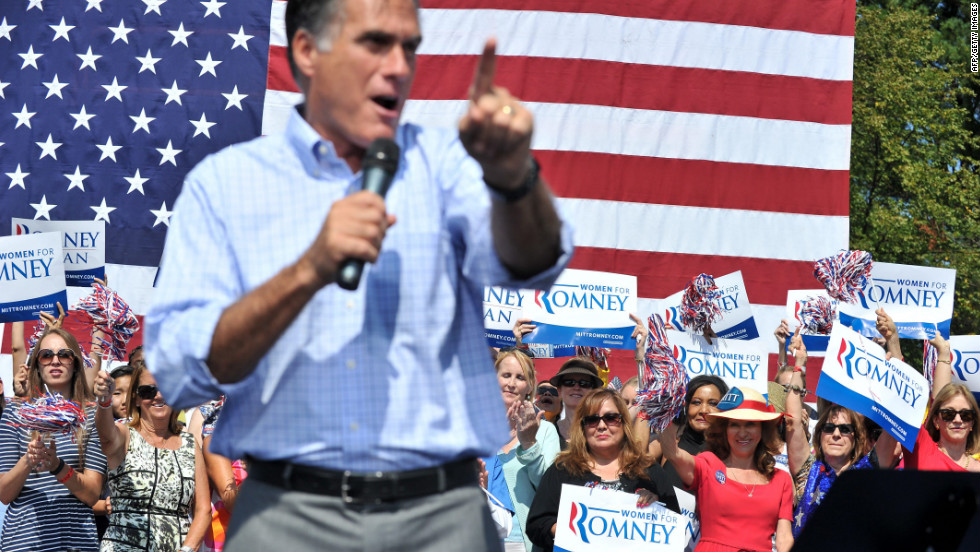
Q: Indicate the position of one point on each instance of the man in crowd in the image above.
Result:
(361, 412)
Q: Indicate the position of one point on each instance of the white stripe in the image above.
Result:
(628, 40)
(667, 134)
(640, 41)
(703, 230)
(275, 111)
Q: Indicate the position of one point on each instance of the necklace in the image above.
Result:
(966, 457)
(746, 487)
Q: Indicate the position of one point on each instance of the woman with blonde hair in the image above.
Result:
(602, 452)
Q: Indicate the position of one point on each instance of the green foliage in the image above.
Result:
(915, 186)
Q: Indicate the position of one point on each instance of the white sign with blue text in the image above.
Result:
(855, 374)
(816, 344)
(32, 276)
(739, 363)
(82, 246)
(736, 320)
(501, 308)
(918, 298)
(965, 352)
(690, 519)
(584, 308)
(602, 520)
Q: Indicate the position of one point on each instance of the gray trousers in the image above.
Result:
(271, 519)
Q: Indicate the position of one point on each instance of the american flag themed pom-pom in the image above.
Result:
(845, 275)
(698, 307)
(664, 381)
(111, 314)
(817, 315)
(50, 413)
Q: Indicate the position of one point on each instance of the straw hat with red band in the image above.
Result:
(745, 404)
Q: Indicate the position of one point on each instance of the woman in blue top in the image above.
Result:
(50, 488)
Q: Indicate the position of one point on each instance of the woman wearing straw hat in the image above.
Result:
(742, 498)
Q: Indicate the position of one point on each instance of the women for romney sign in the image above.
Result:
(603, 520)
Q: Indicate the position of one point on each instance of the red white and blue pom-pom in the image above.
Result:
(664, 381)
(929, 357)
(817, 315)
(845, 275)
(616, 384)
(698, 307)
(597, 355)
(50, 413)
(109, 313)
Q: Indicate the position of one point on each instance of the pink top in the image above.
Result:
(927, 455)
(730, 518)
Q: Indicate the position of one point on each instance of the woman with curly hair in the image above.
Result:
(742, 498)
(602, 452)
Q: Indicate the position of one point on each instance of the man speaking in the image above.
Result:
(362, 411)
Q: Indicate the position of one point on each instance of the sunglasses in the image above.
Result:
(584, 384)
(63, 354)
(525, 352)
(147, 392)
(948, 414)
(611, 419)
(547, 391)
(845, 429)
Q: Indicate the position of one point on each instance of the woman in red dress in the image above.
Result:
(742, 499)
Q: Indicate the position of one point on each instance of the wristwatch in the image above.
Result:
(513, 194)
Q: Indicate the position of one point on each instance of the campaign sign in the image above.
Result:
(965, 352)
(919, 299)
(816, 344)
(739, 363)
(736, 320)
(501, 309)
(82, 246)
(544, 350)
(584, 308)
(32, 276)
(602, 519)
(692, 525)
(855, 374)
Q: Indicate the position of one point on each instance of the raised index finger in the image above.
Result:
(485, 69)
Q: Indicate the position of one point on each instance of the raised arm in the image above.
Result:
(797, 447)
(781, 333)
(496, 131)
(886, 327)
(944, 370)
(18, 348)
(113, 437)
(681, 459)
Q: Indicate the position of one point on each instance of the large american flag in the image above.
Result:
(682, 136)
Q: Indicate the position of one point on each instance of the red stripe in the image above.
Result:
(662, 274)
(552, 80)
(834, 17)
(695, 183)
(591, 82)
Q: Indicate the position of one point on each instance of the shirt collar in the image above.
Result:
(317, 154)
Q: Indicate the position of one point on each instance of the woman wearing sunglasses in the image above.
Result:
(575, 379)
(50, 487)
(157, 480)
(742, 498)
(604, 453)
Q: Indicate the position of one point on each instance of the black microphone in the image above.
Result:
(380, 165)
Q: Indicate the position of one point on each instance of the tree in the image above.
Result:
(915, 190)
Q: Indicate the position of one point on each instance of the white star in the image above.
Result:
(42, 209)
(77, 179)
(162, 215)
(148, 62)
(108, 150)
(120, 33)
(153, 5)
(17, 178)
(207, 65)
(35, 4)
(169, 153)
(142, 121)
(102, 211)
(82, 118)
(234, 99)
(136, 182)
(88, 59)
(48, 147)
(61, 30)
(180, 35)
(212, 6)
(173, 94)
(113, 90)
(30, 58)
(5, 29)
(54, 87)
(97, 4)
(202, 126)
(2, 86)
(24, 117)
(241, 39)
